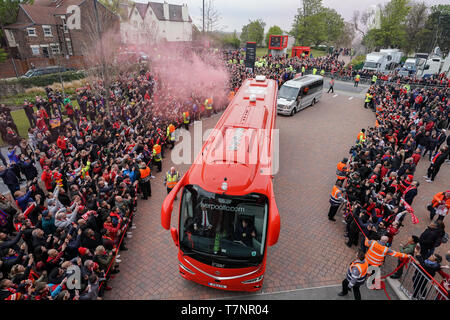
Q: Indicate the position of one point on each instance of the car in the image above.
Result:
(43, 71)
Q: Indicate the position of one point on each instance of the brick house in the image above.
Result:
(154, 21)
(44, 33)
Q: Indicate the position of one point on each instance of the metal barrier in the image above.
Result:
(368, 80)
(417, 284)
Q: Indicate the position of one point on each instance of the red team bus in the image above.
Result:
(228, 215)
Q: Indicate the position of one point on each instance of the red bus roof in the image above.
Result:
(244, 155)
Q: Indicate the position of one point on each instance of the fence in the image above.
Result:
(366, 80)
(417, 284)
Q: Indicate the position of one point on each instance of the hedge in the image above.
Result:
(49, 79)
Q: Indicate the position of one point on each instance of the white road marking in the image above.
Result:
(351, 98)
(335, 96)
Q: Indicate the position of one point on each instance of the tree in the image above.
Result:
(360, 21)
(436, 31)
(253, 31)
(334, 24)
(315, 24)
(3, 55)
(9, 10)
(304, 20)
(392, 31)
(345, 40)
(212, 16)
(274, 30)
(232, 41)
(8, 15)
(415, 23)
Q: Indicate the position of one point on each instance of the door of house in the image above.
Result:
(45, 52)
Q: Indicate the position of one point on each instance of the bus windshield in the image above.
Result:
(222, 230)
(288, 93)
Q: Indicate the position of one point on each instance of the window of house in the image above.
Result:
(32, 32)
(55, 49)
(47, 31)
(35, 50)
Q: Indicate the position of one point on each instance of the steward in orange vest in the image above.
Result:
(336, 199)
(342, 170)
(144, 180)
(378, 250)
(356, 276)
(440, 205)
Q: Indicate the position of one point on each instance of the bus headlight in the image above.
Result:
(253, 280)
(186, 269)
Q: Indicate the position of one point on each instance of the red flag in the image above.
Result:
(414, 219)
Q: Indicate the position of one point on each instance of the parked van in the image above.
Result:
(299, 93)
(432, 67)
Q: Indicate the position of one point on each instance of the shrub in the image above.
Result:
(358, 62)
(49, 79)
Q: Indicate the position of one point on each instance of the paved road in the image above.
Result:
(310, 251)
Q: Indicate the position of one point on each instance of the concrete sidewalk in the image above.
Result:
(320, 293)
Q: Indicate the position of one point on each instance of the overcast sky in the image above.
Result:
(236, 13)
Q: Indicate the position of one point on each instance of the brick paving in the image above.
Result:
(311, 250)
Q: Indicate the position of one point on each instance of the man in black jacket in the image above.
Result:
(429, 239)
(436, 163)
(10, 179)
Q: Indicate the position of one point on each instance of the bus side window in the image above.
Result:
(305, 91)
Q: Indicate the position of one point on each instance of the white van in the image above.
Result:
(299, 93)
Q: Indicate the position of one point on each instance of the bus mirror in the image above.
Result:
(174, 233)
(166, 211)
(274, 221)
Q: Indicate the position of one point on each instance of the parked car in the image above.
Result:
(43, 71)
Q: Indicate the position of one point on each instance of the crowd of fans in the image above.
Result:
(379, 175)
(279, 68)
(78, 212)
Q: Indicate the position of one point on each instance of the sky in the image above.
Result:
(236, 13)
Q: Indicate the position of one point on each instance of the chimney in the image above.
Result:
(166, 11)
(185, 12)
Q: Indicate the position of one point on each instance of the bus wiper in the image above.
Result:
(208, 254)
